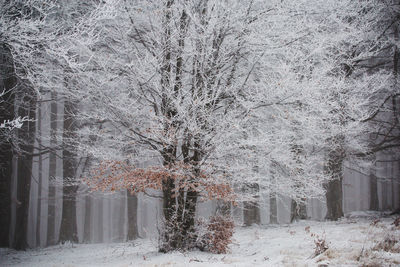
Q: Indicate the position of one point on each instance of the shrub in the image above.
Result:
(215, 236)
(391, 243)
(321, 245)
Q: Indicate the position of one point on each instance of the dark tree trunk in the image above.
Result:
(7, 82)
(169, 211)
(396, 100)
(40, 163)
(68, 229)
(373, 185)
(88, 209)
(132, 202)
(51, 225)
(179, 208)
(385, 203)
(87, 225)
(333, 168)
(334, 198)
(334, 190)
(188, 219)
(26, 136)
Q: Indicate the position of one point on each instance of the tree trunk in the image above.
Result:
(188, 234)
(298, 211)
(51, 225)
(40, 163)
(7, 82)
(100, 234)
(334, 198)
(132, 202)
(251, 211)
(121, 217)
(87, 225)
(273, 211)
(333, 169)
(68, 229)
(179, 208)
(373, 185)
(27, 136)
(396, 101)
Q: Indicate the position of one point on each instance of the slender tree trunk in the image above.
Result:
(88, 209)
(40, 163)
(68, 229)
(373, 185)
(27, 136)
(273, 210)
(87, 222)
(51, 225)
(100, 234)
(7, 82)
(132, 202)
(121, 217)
(396, 101)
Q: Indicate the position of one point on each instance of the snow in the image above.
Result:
(351, 242)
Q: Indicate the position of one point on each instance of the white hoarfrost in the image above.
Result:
(259, 91)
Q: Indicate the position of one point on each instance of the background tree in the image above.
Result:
(20, 36)
(7, 114)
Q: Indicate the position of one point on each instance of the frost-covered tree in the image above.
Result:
(21, 35)
(27, 28)
(200, 99)
(337, 38)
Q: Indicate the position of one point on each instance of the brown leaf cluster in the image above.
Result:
(219, 234)
(118, 175)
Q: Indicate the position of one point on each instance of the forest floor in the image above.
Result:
(361, 239)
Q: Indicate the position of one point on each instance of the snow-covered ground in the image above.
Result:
(358, 240)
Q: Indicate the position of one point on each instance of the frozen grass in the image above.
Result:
(353, 241)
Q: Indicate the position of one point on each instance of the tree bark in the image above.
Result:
(7, 82)
(334, 169)
(26, 136)
(51, 225)
(334, 190)
(132, 202)
(40, 163)
(334, 197)
(373, 185)
(68, 229)
(87, 222)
